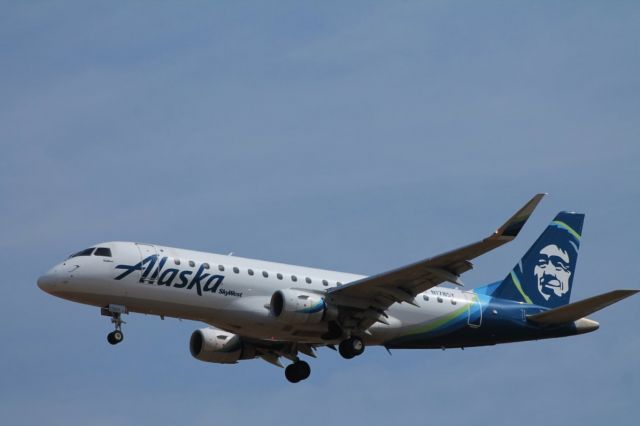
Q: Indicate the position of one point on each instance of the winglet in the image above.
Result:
(512, 227)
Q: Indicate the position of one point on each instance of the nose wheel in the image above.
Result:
(115, 337)
(115, 312)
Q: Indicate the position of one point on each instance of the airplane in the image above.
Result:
(266, 310)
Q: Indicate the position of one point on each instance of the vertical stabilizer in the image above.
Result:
(544, 276)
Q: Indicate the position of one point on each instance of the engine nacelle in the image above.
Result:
(214, 345)
(300, 307)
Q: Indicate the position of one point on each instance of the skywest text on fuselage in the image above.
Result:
(151, 270)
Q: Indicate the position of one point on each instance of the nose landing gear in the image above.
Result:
(115, 312)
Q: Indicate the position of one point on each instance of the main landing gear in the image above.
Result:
(115, 312)
(297, 371)
(351, 347)
(300, 370)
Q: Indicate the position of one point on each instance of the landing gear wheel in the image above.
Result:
(115, 337)
(344, 350)
(290, 374)
(304, 369)
(351, 347)
(297, 371)
(115, 312)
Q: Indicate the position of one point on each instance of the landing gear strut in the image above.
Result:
(297, 371)
(351, 347)
(115, 312)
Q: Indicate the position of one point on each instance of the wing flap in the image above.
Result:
(577, 310)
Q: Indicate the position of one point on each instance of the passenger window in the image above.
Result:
(205, 265)
(102, 251)
(439, 299)
(325, 283)
(85, 252)
(265, 274)
(192, 263)
(176, 261)
(250, 271)
(236, 270)
(308, 280)
(279, 276)
(220, 268)
(294, 278)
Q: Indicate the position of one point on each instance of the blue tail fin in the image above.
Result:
(544, 276)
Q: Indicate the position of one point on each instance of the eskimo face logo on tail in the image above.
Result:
(550, 266)
(152, 271)
(553, 271)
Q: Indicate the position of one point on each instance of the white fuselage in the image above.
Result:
(228, 292)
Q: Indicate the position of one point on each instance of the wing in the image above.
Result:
(366, 300)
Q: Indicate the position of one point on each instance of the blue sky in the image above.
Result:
(353, 136)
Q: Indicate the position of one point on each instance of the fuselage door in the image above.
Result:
(474, 309)
(149, 253)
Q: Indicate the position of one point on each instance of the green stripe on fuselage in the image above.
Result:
(438, 322)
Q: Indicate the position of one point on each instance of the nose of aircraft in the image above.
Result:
(49, 281)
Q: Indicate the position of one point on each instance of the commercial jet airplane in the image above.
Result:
(258, 309)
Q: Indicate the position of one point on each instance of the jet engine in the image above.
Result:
(215, 345)
(301, 307)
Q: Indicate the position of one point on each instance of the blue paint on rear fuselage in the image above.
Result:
(503, 321)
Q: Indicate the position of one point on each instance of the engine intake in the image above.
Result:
(300, 307)
(214, 345)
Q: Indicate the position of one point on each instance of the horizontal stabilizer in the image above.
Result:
(577, 310)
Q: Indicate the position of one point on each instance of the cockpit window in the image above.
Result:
(103, 251)
(85, 252)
